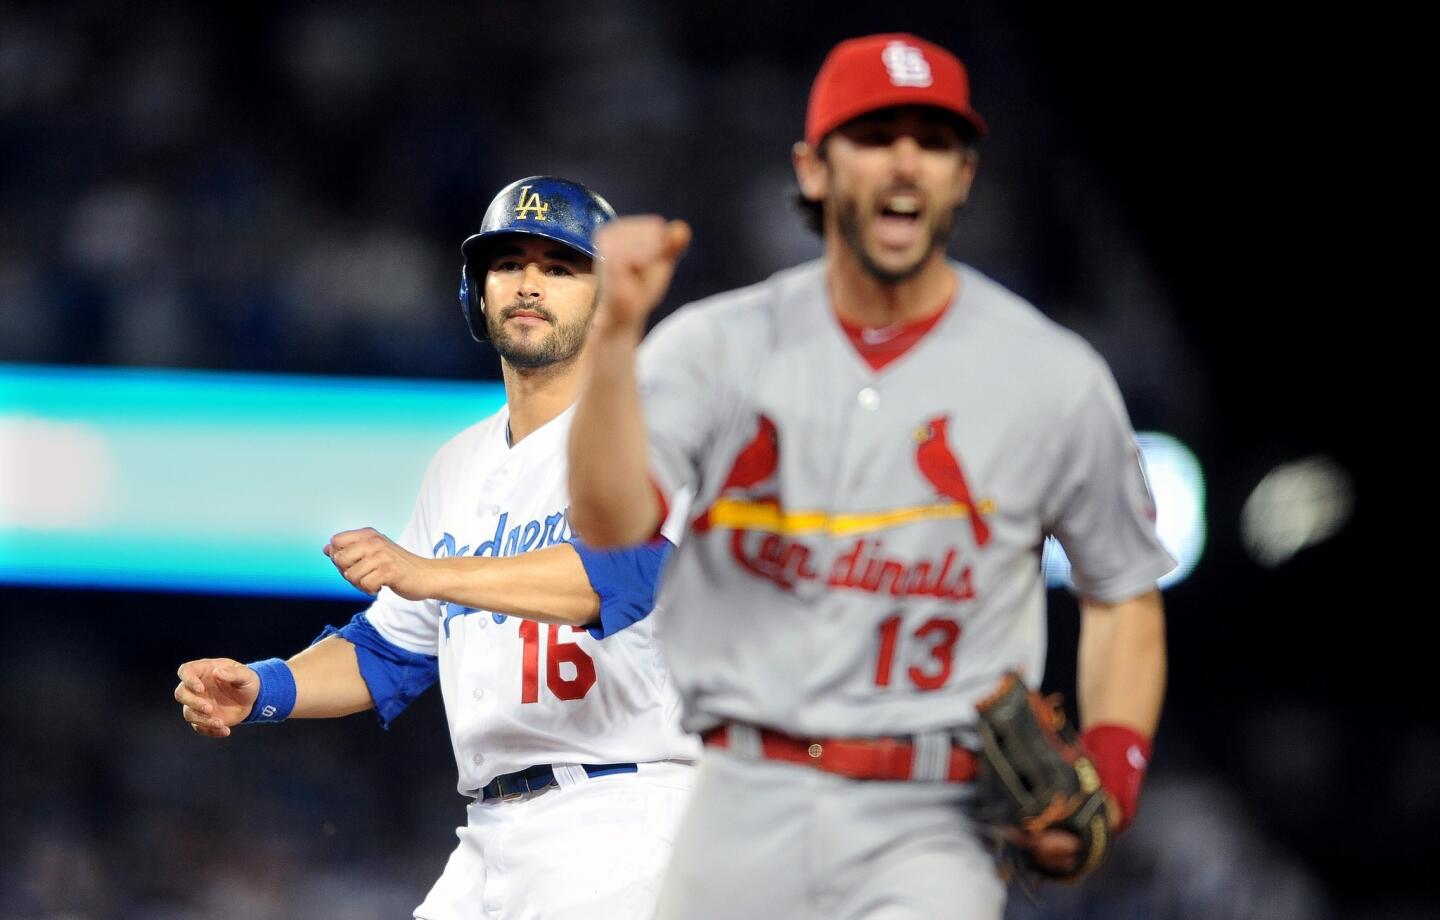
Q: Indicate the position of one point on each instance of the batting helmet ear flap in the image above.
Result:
(472, 304)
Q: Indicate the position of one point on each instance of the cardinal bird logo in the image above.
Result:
(756, 462)
(938, 465)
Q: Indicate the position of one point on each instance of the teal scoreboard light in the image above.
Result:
(217, 482)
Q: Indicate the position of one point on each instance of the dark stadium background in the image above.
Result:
(1162, 179)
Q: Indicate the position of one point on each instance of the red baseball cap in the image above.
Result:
(879, 71)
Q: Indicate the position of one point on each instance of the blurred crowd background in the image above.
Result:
(284, 187)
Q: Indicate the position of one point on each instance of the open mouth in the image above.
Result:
(901, 206)
(898, 224)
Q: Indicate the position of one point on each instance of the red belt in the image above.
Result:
(857, 758)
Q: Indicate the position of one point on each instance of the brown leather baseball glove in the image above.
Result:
(1035, 776)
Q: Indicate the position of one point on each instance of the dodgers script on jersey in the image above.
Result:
(877, 534)
(517, 692)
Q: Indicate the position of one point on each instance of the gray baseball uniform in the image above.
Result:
(864, 560)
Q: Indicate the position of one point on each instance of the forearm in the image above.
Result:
(1122, 664)
(549, 585)
(612, 502)
(328, 682)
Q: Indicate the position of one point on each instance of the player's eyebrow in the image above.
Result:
(566, 255)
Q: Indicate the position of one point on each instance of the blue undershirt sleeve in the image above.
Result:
(625, 579)
(394, 676)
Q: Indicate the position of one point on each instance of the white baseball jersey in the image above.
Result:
(519, 693)
(864, 552)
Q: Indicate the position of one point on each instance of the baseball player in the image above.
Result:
(880, 441)
(569, 746)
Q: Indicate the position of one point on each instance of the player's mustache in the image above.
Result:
(520, 306)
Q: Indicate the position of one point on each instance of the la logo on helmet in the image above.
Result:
(906, 65)
(525, 207)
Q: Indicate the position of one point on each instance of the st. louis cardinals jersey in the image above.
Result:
(519, 693)
(863, 553)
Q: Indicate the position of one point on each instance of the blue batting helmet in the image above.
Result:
(556, 209)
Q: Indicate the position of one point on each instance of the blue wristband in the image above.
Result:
(277, 691)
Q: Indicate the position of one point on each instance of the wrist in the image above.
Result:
(275, 698)
(607, 329)
(447, 576)
(1121, 756)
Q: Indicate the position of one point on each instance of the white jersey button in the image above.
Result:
(478, 693)
(869, 399)
(478, 759)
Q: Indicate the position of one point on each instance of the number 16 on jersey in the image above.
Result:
(556, 654)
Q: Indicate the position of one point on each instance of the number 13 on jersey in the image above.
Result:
(556, 653)
(935, 638)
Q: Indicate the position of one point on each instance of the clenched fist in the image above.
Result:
(369, 560)
(637, 260)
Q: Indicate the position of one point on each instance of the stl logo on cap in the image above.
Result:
(906, 65)
(874, 72)
(524, 207)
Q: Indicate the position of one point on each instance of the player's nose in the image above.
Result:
(532, 281)
(905, 154)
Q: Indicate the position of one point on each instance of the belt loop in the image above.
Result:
(743, 740)
(568, 774)
(932, 756)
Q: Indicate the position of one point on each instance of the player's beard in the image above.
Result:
(847, 219)
(561, 344)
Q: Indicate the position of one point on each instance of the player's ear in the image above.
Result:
(965, 175)
(811, 171)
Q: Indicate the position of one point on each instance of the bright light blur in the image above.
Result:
(57, 475)
(1296, 505)
(1178, 485)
